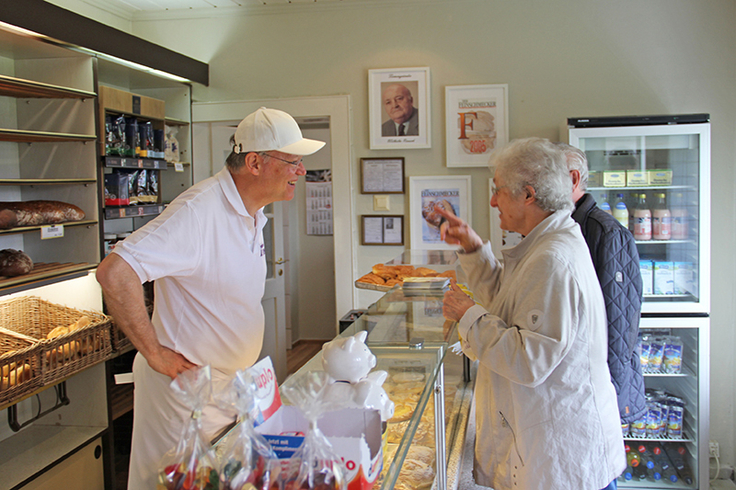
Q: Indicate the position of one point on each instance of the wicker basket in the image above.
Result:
(20, 366)
(67, 353)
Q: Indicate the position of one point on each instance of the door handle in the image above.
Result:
(280, 261)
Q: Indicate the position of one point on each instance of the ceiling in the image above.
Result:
(151, 6)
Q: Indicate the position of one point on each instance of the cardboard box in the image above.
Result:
(664, 278)
(614, 178)
(684, 278)
(660, 177)
(637, 178)
(647, 276)
(355, 434)
(595, 178)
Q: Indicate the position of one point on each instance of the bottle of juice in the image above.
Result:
(661, 220)
(604, 205)
(632, 201)
(642, 220)
(620, 212)
(679, 218)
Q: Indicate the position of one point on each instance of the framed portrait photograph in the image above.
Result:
(500, 239)
(382, 229)
(426, 194)
(399, 108)
(382, 175)
(476, 123)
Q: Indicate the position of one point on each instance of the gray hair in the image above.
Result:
(576, 160)
(235, 161)
(538, 163)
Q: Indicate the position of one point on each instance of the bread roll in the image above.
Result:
(14, 263)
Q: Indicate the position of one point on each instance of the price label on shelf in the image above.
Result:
(179, 167)
(56, 231)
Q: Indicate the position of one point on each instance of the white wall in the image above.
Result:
(560, 59)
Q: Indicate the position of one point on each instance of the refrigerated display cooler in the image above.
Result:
(658, 169)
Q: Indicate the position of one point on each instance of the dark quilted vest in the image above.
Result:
(616, 262)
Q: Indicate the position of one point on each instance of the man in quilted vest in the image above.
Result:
(616, 262)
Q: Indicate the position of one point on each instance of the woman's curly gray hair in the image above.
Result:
(538, 163)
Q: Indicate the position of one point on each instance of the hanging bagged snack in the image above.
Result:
(315, 465)
(247, 460)
(191, 465)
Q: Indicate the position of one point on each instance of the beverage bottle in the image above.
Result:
(620, 212)
(661, 220)
(604, 205)
(632, 202)
(670, 474)
(632, 457)
(676, 455)
(627, 475)
(679, 218)
(642, 220)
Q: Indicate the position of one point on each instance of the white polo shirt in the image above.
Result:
(207, 258)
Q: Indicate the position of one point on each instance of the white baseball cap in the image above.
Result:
(272, 130)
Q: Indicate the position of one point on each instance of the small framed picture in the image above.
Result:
(382, 175)
(476, 123)
(382, 229)
(399, 108)
(426, 194)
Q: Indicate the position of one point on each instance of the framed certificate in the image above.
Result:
(382, 175)
(380, 229)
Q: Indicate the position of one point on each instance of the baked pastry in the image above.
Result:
(371, 278)
(402, 411)
(416, 474)
(14, 263)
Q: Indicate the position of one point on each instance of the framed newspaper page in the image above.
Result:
(399, 108)
(451, 193)
(476, 123)
(382, 229)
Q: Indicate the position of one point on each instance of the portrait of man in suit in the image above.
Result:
(399, 106)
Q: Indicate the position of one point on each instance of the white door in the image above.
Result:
(212, 146)
(274, 338)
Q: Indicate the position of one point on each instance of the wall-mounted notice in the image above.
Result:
(319, 202)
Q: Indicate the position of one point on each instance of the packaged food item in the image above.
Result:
(114, 135)
(145, 136)
(171, 145)
(642, 220)
(656, 353)
(315, 465)
(116, 189)
(647, 276)
(132, 139)
(664, 278)
(675, 416)
(672, 355)
(192, 464)
(247, 460)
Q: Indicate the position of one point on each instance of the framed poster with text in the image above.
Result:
(426, 194)
(476, 123)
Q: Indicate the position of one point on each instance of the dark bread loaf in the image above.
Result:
(33, 213)
(14, 263)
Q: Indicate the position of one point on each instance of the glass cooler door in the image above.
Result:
(656, 181)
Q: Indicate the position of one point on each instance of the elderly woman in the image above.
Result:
(546, 411)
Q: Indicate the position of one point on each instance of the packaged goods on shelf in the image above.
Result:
(614, 178)
(664, 277)
(660, 177)
(636, 178)
(116, 189)
(647, 276)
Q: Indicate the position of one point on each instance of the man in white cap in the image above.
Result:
(206, 254)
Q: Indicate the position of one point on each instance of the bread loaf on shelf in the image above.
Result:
(14, 263)
(34, 213)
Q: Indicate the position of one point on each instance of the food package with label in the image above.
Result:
(191, 465)
(247, 460)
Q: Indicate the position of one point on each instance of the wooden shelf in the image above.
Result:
(26, 229)
(20, 88)
(172, 121)
(23, 136)
(121, 400)
(47, 181)
(43, 271)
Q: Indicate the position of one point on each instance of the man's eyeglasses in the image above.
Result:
(494, 189)
(295, 162)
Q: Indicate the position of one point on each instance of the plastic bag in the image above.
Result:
(191, 465)
(247, 461)
(315, 465)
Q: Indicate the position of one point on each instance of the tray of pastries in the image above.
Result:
(383, 277)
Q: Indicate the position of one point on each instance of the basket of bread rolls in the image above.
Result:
(69, 339)
(20, 366)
